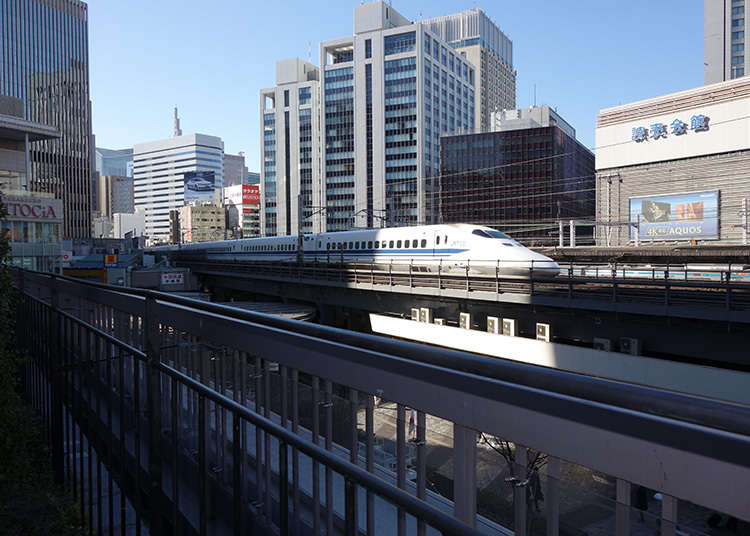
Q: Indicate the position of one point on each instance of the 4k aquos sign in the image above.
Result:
(688, 216)
(22, 208)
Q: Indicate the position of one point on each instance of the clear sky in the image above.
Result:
(212, 58)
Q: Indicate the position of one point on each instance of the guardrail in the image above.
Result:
(728, 292)
(208, 418)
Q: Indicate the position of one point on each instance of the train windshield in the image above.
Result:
(490, 233)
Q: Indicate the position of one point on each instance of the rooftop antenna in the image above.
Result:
(177, 129)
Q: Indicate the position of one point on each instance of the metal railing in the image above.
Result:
(665, 285)
(172, 415)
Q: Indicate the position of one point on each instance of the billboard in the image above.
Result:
(250, 194)
(199, 186)
(688, 216)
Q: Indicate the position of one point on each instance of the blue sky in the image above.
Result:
(211, 58)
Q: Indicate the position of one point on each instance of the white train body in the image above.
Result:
(427, 248)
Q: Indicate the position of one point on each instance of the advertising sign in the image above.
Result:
(22, 208)
(171, 278)
(687, 216)
(110, 260)
(199, 186)
(250, 194)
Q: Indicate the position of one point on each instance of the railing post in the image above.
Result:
(283, 490)
(622, 508)
(465, 474)
(552, 499)
(56, 404)
(519, 491)
(350, 508)
(668, 515)
(237, 463)
(153, 395)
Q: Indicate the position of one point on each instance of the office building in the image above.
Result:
(33, 224)
(114, 194)
(202, 223)
(388, 93)
(290, 149)
(523, 178)
(235, 170)
(170, 172)
(242, 202)
(128, 225)
(476, 37)
(113, 162)
(724, 31)
(47, 69)
(676, 166)
(253, 177)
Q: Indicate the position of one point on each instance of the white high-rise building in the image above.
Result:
(724, 30)
(159, 169)
(388, 93)
(381, 98)
(474, 35)
(290, 150)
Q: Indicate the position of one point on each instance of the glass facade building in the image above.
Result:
(522, 182)
(44, 62)
(269, 172)
(339, 142)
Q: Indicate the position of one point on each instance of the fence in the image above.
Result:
(170, 415)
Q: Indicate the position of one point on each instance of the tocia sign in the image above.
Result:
(698, 123)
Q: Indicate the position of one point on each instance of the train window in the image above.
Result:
(328, 246)
(351, 244)
(414, 243)
(390, 244)
(318, 244)
(446, 240)
(437, 240)
(424, 242)
(356, 245)
(398, 244)
(406, 243)
(369, 244)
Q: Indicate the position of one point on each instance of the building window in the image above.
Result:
(738, 35)
(426, 44)
(738, 72)
(738, 60)
(398, 43)
(368, 48)
(740, 47)
(304, 95)
(738, 10)
(737, 23)
(286, 97)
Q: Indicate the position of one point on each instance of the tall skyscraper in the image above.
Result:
(44, 62)
(724, 34)
(235, 170)
(168, 173)
(290, 149)
(388, 93)
(475, 36)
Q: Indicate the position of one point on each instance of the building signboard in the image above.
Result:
(686, 216)
(23, 208)
(199, 186)
(250, 194)
(168, 278)
(110, 260)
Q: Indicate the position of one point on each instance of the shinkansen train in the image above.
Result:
(427, 248)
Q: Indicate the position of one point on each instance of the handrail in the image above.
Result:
(705, 412)
(399, 497)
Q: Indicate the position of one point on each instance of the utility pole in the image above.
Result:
(300, 237)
